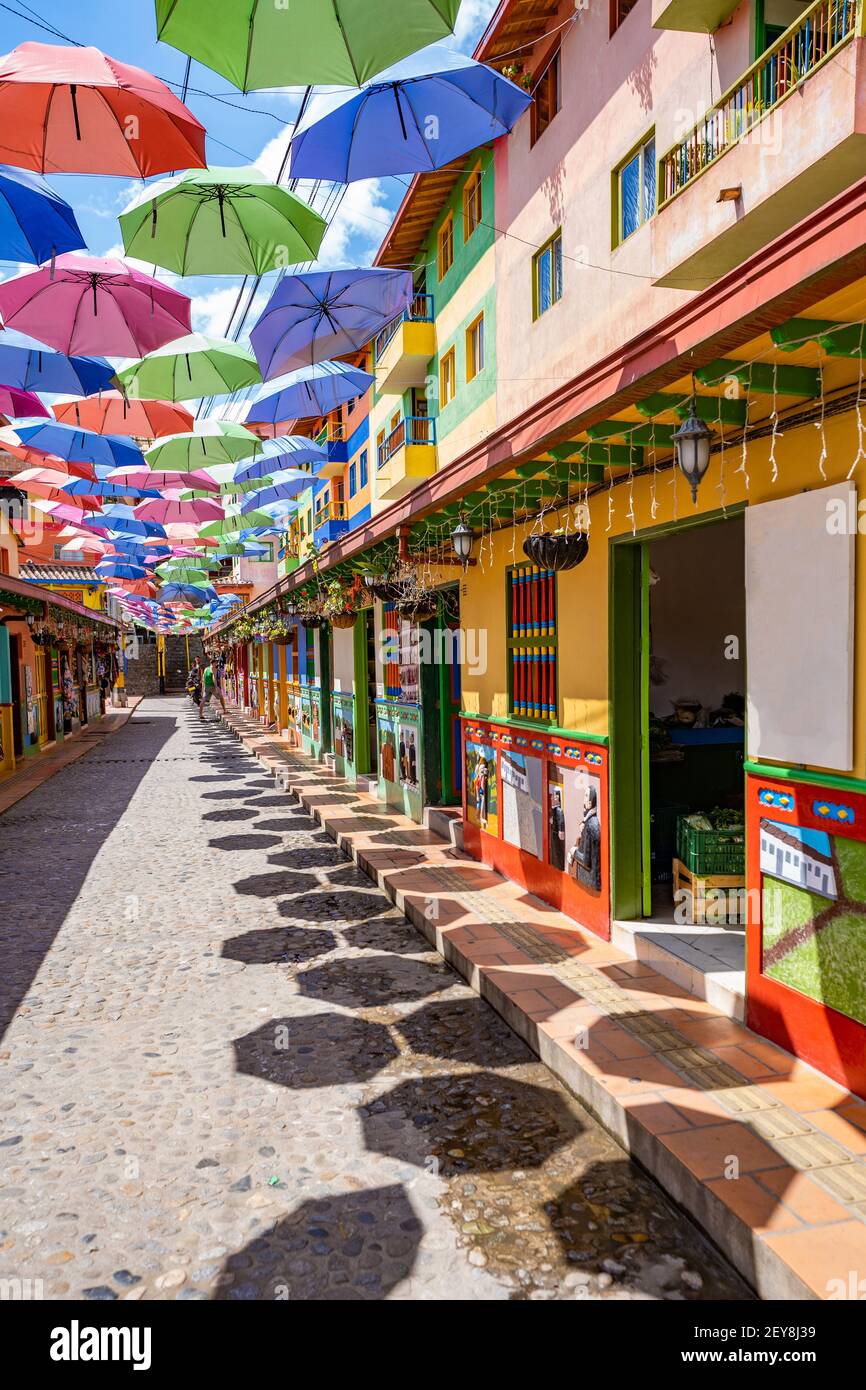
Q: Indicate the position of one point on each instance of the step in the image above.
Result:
(446, 821)
(677, 955)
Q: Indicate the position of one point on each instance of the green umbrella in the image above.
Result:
(182, 574)
(253, 485)
(221, 222)
(190, 368)
(233, 523)
(212, 441)
(304, 42)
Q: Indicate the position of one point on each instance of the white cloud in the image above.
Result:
(358, 226)
(472, 20)
(211, 312)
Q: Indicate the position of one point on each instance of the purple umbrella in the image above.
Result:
(310, 392)
(310, 318)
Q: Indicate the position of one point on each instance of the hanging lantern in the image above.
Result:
(462, 540)
(692, 444)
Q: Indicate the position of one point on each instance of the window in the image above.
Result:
(445, 245)
(475, 348)
(532, 642)
(353, 479)
(635, 190)
(447, 378)
(380, 448)
(472, 206)
(548, 98)
(362, 468)
(618, 11)
(547, 271)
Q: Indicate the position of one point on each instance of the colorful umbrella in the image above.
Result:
(67, 442)
(312, 391)
(120, 569)
(141, 476)
(112, 413)
(17, 404)
(181, 573)
(289, 451)
(310, 318)
(280, 492)
(77, 111)
(102, 489)
(190, 368)
(334, 42)
(35, 222)
(88, 304)
(124, 520)
(189, 593)
(35, 369)
(233, 522)
(212, 442)
(168, 512)
(221, 222)
(429, 110)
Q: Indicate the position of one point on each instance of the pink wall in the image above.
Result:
(614, 91)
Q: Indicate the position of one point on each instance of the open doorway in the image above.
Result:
(678, 664)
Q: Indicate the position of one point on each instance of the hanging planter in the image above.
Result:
(554, 550)
(343, 619)
(418, 607)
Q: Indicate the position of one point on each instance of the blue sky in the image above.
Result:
(241, 129)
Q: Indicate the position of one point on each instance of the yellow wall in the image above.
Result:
(582, 593)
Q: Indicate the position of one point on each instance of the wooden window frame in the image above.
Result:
(447, 371)
(619, 13)
(550, 72)
(472, 369)
(531, 641)
(473, 203)
(445, 238)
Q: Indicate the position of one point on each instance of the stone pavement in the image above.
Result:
(766, 1153)
(232, 1070)
(38, 767)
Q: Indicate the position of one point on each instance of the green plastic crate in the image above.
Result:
(711, 851)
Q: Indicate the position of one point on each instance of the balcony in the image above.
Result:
(786, 138)
(407, 456)
(404, 348)
(333, 436)
(329, 522)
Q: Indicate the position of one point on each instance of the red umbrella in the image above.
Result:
(112, 413)
(86, 304)
(77, 111)
(73, 468)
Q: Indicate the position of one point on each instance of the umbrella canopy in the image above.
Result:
(311, 391)
(213, 441)
(17, 404)
(124, 520)
(67, 442)
(49, 493)
(221, 222)
(112, 413)
(100, 488)
(192, 367)
(290, 451)
(84, 545)
(419, 115)
(87, 304)
(36, 369)
(280, 492)
(187, 593)
(234, 523)
(120, 569)
(168, 512)
(141, 476)
(334, 42)
(35, 222)
(310, 318)
(175, 572)
(76, 111)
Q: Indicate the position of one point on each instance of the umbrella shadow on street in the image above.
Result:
(308, 1051)
(369, 982)
(278, 946)
(276, 883)
(343, 905)
(242, 843)
(355, 1246)
(309, 857)
(388, 934)
(463, 1030)
(232, 813)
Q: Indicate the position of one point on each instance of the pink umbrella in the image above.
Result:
(18, 405)
(150, 477)
(61, 511)
(167, 511)
(84, 304)
(77, 111)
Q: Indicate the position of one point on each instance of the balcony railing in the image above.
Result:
(419, 311)
(414, 429)
(813, 38)
(332, 433)
(332, 511)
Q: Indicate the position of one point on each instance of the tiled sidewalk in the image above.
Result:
(40, 766)
(766, 1154)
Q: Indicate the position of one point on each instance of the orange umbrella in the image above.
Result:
(112, 413)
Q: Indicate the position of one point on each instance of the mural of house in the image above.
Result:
(797, 856)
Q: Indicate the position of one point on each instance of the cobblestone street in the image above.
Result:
(232, 1070)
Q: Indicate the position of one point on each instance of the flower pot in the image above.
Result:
(389, 591)
(556, 552)
(343, 619)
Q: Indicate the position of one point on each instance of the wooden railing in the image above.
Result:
(419, 311)
(413, 429)
(332, 511)
(813, 38)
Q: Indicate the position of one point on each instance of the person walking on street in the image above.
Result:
(210, 689)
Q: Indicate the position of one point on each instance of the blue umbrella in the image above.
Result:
(36, 369)
(120, 569)
(85, 446)
(290, 451)
(419, 115)
(138, 546)
(123, 519)
(275, 496)
(311, 318)
(81, 487)
(312, 391)
(192, 593)
(35, 222)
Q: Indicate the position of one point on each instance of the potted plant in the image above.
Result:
(335, 604)
(554, 550)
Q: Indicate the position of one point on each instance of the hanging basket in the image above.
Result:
(556, 552)
(343, 619)
(311, 621)
(418, 609)
(388, 590)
